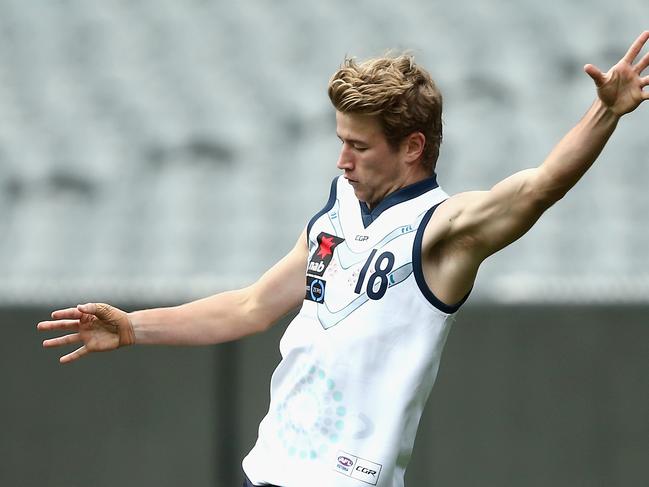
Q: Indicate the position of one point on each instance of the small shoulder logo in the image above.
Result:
(323, 255)
(315, 289)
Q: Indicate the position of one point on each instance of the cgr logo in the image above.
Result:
(366, 471)
(358, 468)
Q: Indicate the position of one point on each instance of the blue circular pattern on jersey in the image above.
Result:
(308, 436)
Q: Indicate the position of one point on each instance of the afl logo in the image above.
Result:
(345, 461)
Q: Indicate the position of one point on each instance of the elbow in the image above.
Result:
(261, 325)
(544, 192)
(548, 197)
(253, 316)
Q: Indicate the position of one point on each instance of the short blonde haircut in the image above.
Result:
(400, 93)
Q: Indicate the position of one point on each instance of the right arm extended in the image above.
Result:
(219, 318)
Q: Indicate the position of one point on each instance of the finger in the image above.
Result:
(77, 354)
(636, 47)
(71, 313)
(58, 325)
(642, 64)
(60, 341)
(595, 73)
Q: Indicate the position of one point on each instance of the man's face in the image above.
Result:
(372, 167)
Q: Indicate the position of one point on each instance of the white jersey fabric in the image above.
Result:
(360, 358)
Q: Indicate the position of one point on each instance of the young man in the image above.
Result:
(387, 262)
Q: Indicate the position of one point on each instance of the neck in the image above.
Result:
(397, 187)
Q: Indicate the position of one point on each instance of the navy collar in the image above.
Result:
(399, 196)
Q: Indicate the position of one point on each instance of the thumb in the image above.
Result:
(88, 308)
(101, 310)
(118, 320)
(595, 73)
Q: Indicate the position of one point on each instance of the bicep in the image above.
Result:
(488, 221)
(469, 227)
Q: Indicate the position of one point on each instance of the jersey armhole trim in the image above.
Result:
(419, 272)
(327, 207)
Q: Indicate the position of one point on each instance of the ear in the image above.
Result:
(413, 146)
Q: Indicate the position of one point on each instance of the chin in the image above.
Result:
(359, 195)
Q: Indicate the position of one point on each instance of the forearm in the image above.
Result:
(576, 152)
(229, 315)
(500, 216)
(215, 319)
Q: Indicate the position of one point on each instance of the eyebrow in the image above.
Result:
(352, 141)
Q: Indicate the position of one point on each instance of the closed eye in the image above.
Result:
(356, 145)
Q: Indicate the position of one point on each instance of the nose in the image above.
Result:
(345, 159)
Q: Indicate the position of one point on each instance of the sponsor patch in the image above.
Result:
(315, 289)
(323, 255)
(357, 468)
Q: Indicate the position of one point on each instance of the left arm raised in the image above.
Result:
(493, 219)
(469, 227)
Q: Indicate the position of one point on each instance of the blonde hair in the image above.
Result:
(400, 93)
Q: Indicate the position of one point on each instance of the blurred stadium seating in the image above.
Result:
(158, 150)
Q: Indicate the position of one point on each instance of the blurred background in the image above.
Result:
(156, 151)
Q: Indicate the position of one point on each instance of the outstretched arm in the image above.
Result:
(620, 91)
(219, 318)
(471, 226)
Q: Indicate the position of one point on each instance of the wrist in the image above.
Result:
(127, 335)
(601, 114)
(605, 112)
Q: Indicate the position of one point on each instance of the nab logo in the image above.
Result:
(322, 257)
(317, 267)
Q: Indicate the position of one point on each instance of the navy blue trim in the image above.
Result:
(399, 196)
(327, 207)
(419, 272)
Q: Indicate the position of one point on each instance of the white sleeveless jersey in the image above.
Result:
(360, 358)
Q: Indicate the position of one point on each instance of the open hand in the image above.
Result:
(99, 327)
(621, 88)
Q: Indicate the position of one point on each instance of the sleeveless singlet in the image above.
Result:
(360, 358)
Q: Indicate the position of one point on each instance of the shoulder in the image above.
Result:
(446, 220)
(449, 258)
